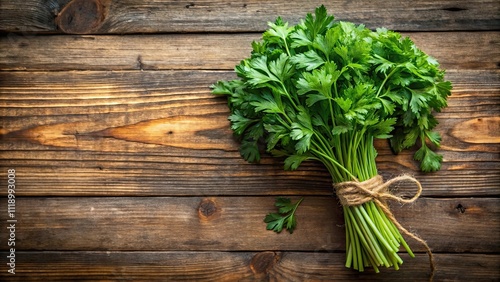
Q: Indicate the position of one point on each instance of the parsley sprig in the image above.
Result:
(285, 217)
(323, 90)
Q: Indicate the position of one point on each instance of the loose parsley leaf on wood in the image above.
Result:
(285, 217)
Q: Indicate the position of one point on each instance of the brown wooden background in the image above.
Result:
(126, 168)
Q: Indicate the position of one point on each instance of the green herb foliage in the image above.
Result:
(285, 217)
(306, 88)
(323, 90)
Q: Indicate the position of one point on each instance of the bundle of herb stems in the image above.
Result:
(371, 238)
(324, 90)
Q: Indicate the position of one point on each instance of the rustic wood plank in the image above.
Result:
(163, 133)
(478, 50)
(235, 224)
(132, 16)
(124, 128)
(238, 266)
(450, 267)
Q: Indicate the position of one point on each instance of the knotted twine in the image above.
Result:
(353, 193)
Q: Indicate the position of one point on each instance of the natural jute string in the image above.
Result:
(352, 193)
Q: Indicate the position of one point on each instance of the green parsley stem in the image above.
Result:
(363, 237)
(330, 159)
(385, 79)
(286, 46)
(289, 96)
(348, 240)
(376, 232)
(374, 213)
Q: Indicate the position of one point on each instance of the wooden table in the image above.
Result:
(126, 169)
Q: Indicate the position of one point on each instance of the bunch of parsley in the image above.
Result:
(323, 90)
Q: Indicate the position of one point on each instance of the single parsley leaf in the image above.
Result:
(318, 80)
(240, 123)
(293, 161)
(281, 68)
(383, 64)
(384, 128)
(267, 103)
(300, 39)
(249, 150)
(309, 60)
(222, 88)
(429, 160)
(278, 29)
(302, 131)
(318, 24)
(434, 137)
(285, 217)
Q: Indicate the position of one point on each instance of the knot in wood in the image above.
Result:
(82, 16)
(207, 209)
(263, 262)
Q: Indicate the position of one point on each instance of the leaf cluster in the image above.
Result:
(285, 217)
(308, 90)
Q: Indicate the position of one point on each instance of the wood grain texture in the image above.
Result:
(239, 266)
(82, 16)
(478, 50)
(163, 133)
(126, 168)
(235, 224)
(134, 16)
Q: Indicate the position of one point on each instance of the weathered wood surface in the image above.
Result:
(133, 16)
(235, 223)
(126, 168)
(240, 266)
(478, 50)
(136, 133)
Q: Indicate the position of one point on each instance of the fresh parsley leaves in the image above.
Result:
(323, 90)
(307, 89)
(285, 217)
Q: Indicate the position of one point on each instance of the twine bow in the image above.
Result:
(352, 193)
